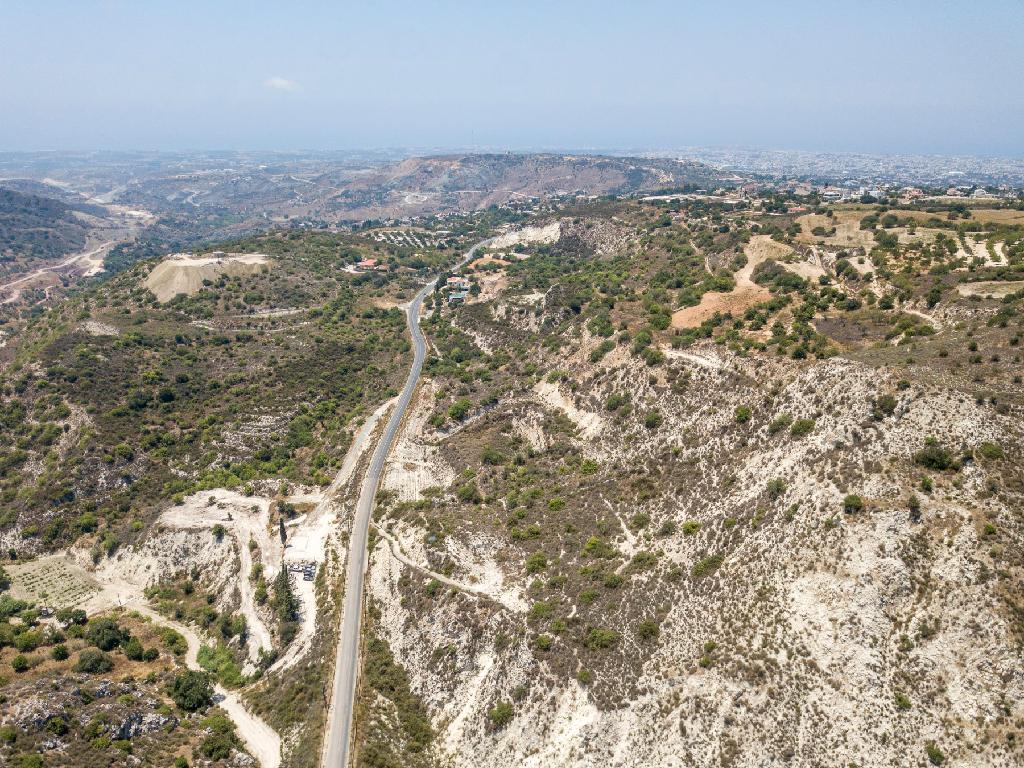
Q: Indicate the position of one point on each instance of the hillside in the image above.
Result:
(613, 535)
(420, 186)
(36, 229)
(683, 479)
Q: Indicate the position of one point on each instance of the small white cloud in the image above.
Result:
(280, 84)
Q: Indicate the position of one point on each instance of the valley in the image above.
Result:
(661, 480)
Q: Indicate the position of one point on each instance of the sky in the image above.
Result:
(856, 76)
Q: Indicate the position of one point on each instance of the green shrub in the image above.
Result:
(469, 493)
(541, 610)
(601, 639)
(105, 634)
(883, 406)
(133, 649)
(779, 424)
(935, 456)
(536, 562)
(743, 414)
(192, 690)
(501, 714)
(596, 547)
(853, 503)
(648, 630)
(935, 756)
(653, 420)
(706, 565)
(616, 401)
(459, 409)
(802, 428)
(690, 527)
(990, 451)
(93, 661)
(19, 663)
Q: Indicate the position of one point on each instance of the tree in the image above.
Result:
(192, 690)
(133, 649)
(105, 634)
(69, 616)
(93, 661)
(285, 605)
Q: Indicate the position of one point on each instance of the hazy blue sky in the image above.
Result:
(945, 77)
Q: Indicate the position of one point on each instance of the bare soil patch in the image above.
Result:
(185, 273)
(746, 294)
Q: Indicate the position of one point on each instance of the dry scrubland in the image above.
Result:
(685, 484)
(185, 439)
(623, 530)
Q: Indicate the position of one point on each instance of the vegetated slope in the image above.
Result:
(35, 229)
(114, 403)
(81, 694)
(470, 182)
(793, 535)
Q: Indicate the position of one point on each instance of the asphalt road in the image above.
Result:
(346, 663)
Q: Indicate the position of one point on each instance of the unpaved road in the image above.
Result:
(260, 739)
(346, 665)
(12, 288)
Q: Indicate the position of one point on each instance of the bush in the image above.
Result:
(935, 756)
(853, 503)
(59, 652)
(743, 414)
(501, 714)
(459, 409)
(192, 690)
(105, 634)
(653, 420)
(616, 401)
(648, 630)
(221, 741)
(802, 428)
(536, 562)
(776, 487)
(779, 424)
(601, 639)
(469, 493)
(990, 451)
(706, 565)
(133, 649)
(19, 663)
(883, 406)
(596, 547)
(69, 616)
(92, 661)
(935, 456)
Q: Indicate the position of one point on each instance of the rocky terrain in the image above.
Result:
(687, 481)
(787, 536)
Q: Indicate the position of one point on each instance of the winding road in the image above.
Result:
(346, 663)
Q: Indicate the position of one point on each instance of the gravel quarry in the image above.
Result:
(184, 273)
